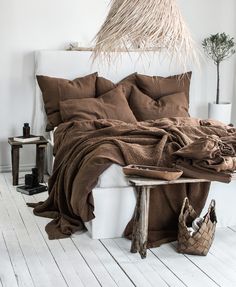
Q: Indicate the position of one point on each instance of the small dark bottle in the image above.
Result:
(26, 130)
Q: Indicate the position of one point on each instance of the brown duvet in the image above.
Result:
(84, 149)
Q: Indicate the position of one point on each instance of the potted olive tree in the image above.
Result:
(218, 48)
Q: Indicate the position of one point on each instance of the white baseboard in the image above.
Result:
(23, 167)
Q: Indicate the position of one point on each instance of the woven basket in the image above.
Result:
(200, 242)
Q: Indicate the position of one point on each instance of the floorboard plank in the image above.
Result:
(73, 256)
(82, 243)
(233, 228)
(137, 269)
(109, 263)
(14, 222)
(214, 268)
(80, 265)
(84, 269)
(56, 252)
(30, 239)
(223, 248)
(7, 272)
(66, 268)
(152, 268)
(190, 274)
(130, 269)
(21, 269)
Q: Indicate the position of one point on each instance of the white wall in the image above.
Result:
(204, 18)
(26, 26)
(29, 25)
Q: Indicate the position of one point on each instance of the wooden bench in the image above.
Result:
(140, 225)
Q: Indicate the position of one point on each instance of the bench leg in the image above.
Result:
(15, 156)
(140, 225)
(40, 155)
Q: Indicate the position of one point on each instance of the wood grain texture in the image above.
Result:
(15, 157)
(40, 155)
(142, 181)
(140, 225)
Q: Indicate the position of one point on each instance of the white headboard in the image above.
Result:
(73, 64)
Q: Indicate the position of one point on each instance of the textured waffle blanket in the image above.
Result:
(84, 149)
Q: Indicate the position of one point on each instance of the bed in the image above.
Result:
(112, 194)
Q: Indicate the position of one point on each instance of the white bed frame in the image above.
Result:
(119, 201)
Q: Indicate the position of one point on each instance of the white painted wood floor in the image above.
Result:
(28, 258)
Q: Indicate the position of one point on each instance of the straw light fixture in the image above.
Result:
(145, 25)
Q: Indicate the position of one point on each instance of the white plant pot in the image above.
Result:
(220, 112)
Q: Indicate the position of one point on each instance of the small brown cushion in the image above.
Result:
(145, 108)
(56, 89)
(104, 85)
(111, 105)
(156, 86)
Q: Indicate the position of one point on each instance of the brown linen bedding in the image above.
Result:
(84, 149)
(56, 89)
(145, 108)
(102, 107)
(208, 157)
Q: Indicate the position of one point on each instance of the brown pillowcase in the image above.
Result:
(56, 89)
(112, 105)
(104, 85)
(145, 108)
(156, 86)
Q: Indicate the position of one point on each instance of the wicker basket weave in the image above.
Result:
(200, 242)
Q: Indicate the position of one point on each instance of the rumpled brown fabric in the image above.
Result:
(209, 153)
(84, 149)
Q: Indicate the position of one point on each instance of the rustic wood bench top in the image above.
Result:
(144, 181)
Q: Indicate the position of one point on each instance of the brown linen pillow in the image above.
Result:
(111, 105)
(145, 108)
(155, 86)
(56, 89)
(104, 85)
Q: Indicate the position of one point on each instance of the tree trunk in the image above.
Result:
(218, 83)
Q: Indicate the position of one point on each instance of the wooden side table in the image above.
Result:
(140, 225)
(15, 157)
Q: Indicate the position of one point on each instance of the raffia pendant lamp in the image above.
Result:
(145, 25)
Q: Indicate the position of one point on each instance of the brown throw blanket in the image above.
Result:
(209, 157)
(85, 149)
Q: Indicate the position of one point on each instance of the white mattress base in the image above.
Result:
(114, 207)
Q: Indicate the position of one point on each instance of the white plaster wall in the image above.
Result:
(29, 25)
(205, 18)
(26, 26)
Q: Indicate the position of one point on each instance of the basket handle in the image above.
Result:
(185, 205)
(212, 205)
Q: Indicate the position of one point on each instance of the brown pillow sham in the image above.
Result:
(155, 86)
(145, 108)
(56, 89)
(104, 85)
(111, 105)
